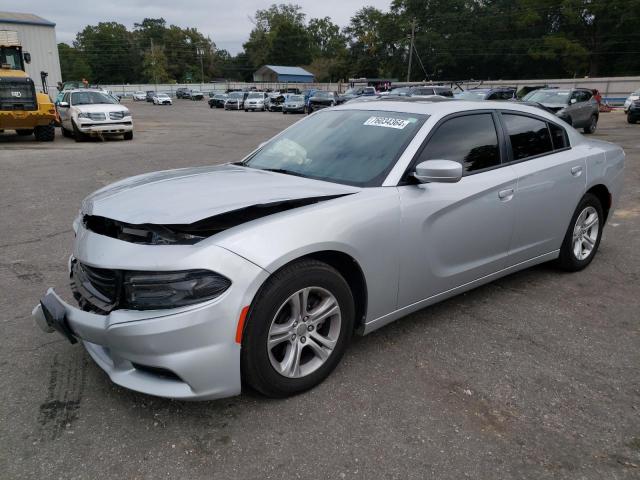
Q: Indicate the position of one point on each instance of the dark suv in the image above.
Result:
(633, 113)
(576, 106)
(182, 92)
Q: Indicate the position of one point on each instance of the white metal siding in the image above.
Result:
(40, 42)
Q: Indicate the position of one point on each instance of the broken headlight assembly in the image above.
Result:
(156, 290)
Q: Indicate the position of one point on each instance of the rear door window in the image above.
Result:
(558, 137)
(470, 140)
(529, 136)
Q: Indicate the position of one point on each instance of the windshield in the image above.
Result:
(472, 95)
(256, 95)
(353, 147)
(558, 97)
(91, 98)
(322, 94)
(400, 91)
(236, 95)
(11, 57)
(296, 98)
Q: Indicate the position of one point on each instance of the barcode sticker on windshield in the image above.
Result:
(387, 122)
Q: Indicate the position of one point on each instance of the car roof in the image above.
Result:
(442, 108)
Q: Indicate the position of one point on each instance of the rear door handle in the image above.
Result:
(505, 195)
(576, 171)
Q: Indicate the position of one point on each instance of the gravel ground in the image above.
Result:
(532, 376)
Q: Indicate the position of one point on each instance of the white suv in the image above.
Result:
(86, 112)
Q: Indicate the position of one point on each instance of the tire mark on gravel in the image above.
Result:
(67, 379)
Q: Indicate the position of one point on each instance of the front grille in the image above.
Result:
(95, 289)
(97, 116)
(116, 115)
(17, 94)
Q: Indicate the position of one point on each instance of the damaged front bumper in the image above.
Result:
(185, 353)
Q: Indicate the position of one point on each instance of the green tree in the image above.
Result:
(72, 63)
(109, 50)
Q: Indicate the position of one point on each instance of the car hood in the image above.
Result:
(101, 108)
(188, 195)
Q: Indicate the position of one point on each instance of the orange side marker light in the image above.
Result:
(240, 328)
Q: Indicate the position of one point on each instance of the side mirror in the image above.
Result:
(63, 104)
(573, 100)
(27, 57)
(438, 171)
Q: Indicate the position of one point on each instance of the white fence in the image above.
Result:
(614, 90)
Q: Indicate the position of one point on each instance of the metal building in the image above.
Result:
(280, 74)
(38, 37)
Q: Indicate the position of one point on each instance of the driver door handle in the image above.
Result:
(505, 195)
(576, 171)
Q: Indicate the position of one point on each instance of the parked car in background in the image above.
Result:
(193, 95)
(522, 91)
(633, 112)
(85, 112)
(358, 92)
(578, 106)
(322, 99)
(162, 99)
(307, 95)
(217, 101)
(256, 101)
(235, 101)
(293, 104)
(149, 95)
(427, 90)
(275, 101)
(139, 96)
(181, 92)
(501, 93)
(630, 99)
(196, 282)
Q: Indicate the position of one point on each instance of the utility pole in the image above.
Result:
(153, 65)
(413, 34)
(200, 53)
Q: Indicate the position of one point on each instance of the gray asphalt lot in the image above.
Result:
(536, 375)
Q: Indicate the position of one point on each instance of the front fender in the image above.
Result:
(364, 226)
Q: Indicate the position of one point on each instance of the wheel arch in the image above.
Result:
(602, 193)
(352, 272)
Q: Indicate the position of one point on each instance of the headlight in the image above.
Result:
(154, 290)
(84, 115)
(126, 113)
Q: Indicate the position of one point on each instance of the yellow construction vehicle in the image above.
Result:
(22, 108)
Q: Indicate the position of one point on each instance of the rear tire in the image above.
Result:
(25, 132)
(128, 135)
(581, 241)
(593, 124)
(45, 133)
(630, 119)
(273, 309)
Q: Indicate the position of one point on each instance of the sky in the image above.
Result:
(227, 22)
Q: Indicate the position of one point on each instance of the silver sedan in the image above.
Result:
(189, 283)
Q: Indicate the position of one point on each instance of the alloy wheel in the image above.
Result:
(304, 332)
(585, 233)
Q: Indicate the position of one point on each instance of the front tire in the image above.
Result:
(583, 236)
(45, 133)
(297, 330)
(128, 135)
(630, 119)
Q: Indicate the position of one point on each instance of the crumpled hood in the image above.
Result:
(187, 195)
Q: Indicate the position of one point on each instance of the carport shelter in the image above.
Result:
(281, 74)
